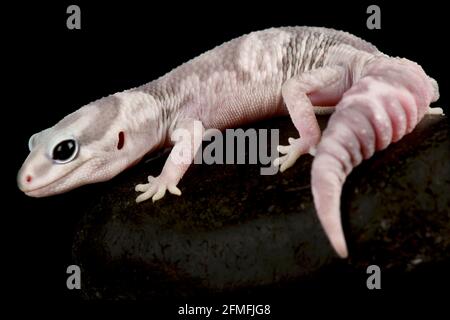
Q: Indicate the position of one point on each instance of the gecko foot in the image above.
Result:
(292, 152)
(156, 189)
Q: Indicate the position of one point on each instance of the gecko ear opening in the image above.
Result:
(121, 141)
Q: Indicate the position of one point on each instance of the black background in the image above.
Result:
(52, 71)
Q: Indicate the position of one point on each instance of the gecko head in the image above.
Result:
(87, 146)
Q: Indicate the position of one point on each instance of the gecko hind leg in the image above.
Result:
(323, 86)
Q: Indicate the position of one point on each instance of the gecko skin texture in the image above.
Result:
(279, 71)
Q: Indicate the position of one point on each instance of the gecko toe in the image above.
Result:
(283, 149)
(160, 194)
(143, 197)
(287, 164)
(278, 161)
(174, 190)
(141, 187)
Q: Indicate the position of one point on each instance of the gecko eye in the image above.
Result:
(65, 151)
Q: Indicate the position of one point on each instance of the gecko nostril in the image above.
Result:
(28, 178)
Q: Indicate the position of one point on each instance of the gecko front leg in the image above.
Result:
(323, 86)
(187, 136)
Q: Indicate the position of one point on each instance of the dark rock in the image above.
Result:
(234, 230)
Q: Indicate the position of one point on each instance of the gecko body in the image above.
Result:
(278, 71)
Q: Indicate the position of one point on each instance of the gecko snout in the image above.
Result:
(29, 184)
(29, 180)
(24, 180)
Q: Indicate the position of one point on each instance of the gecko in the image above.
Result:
(274, 72)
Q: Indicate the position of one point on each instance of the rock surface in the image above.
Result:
(234, 230)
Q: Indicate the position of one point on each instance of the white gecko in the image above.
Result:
(278, 71)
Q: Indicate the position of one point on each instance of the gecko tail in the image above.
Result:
(379, 109)
(338, 152)
(326, 182)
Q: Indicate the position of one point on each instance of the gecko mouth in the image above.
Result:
(47, 190)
